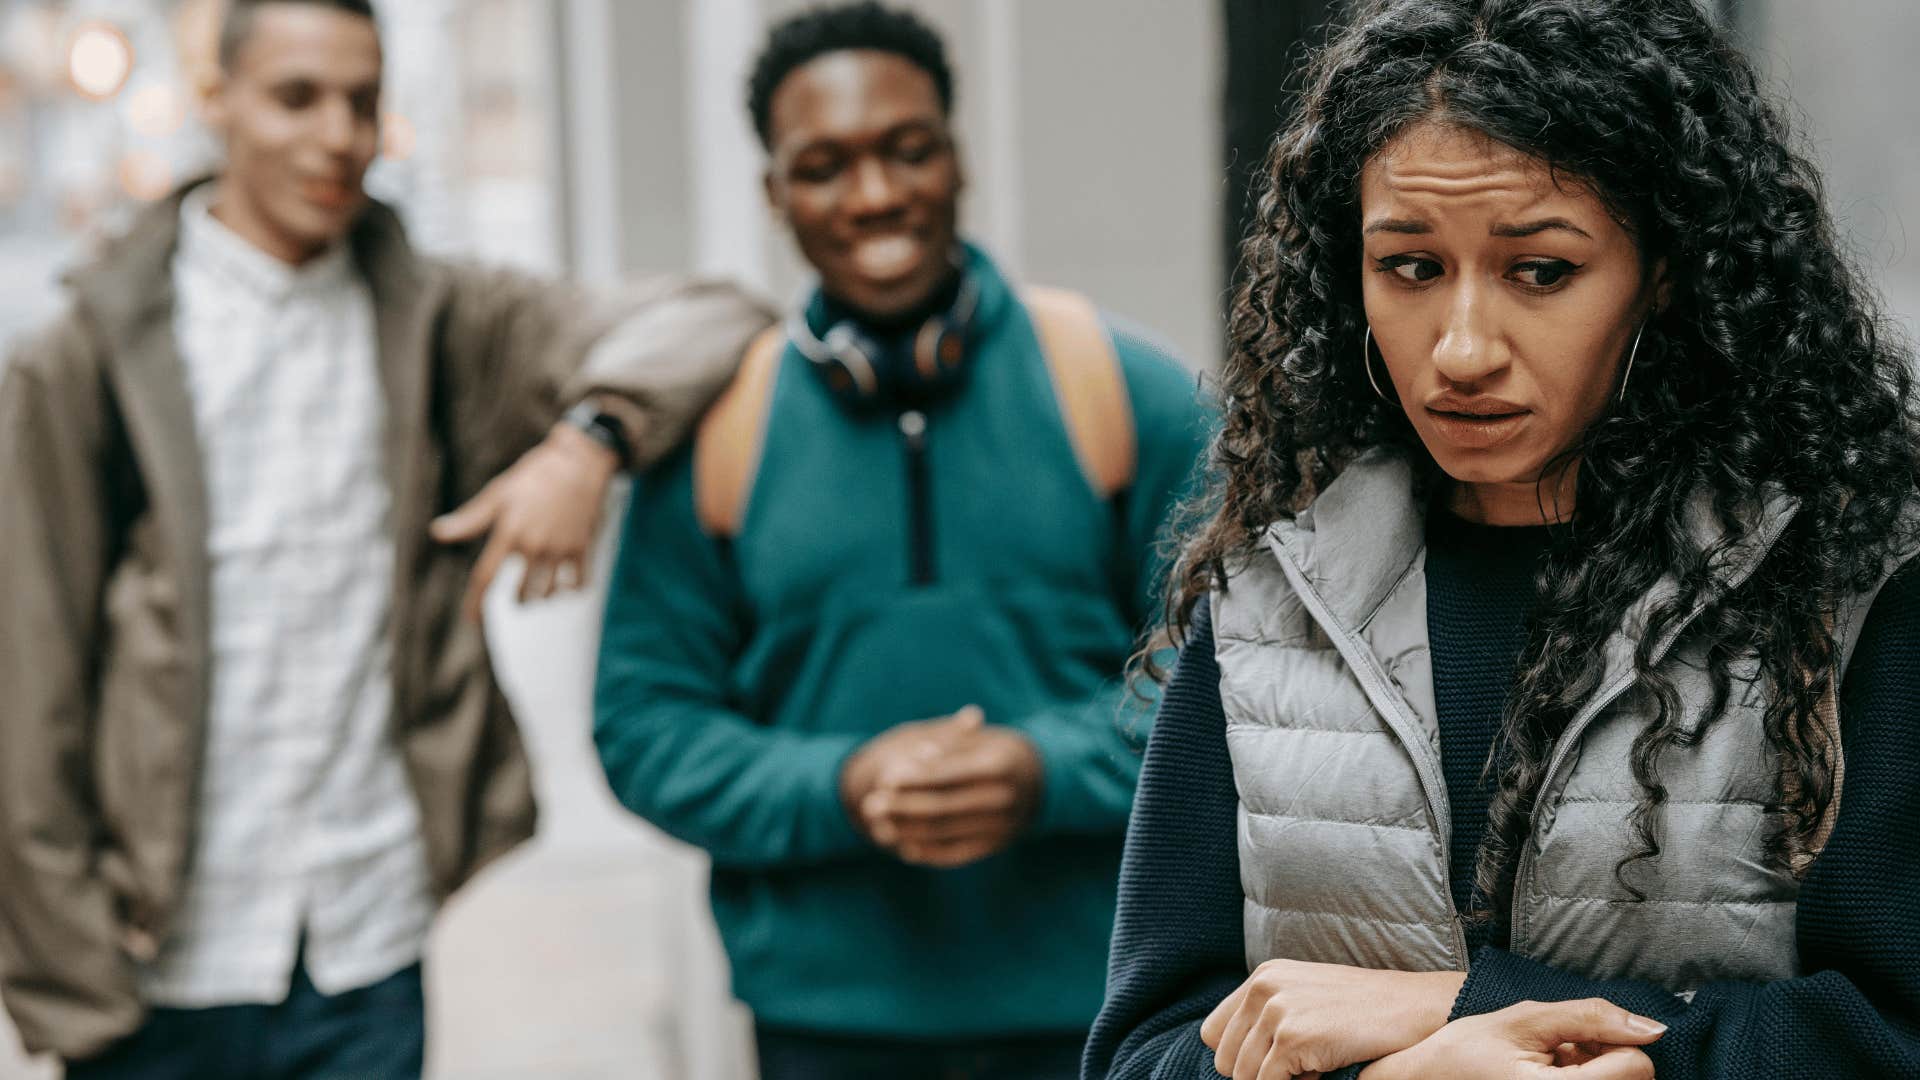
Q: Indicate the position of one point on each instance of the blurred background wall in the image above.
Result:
(1107, 143)
(610, 137)
(1845, 66)
(1089, 129)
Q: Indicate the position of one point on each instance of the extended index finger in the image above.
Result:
(469, 521)
(484, 571)
(1542, 1026)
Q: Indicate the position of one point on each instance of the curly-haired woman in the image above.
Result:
(1548, 638)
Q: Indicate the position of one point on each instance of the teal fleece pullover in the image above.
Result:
(737, 676)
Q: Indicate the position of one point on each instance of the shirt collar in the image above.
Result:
(208, 243)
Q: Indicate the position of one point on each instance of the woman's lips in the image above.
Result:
(1471, 431)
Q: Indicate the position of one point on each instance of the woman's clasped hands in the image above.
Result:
(1294, 1019)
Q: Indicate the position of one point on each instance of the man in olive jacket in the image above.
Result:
(240, 762)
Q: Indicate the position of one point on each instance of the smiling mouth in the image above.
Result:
(887, 257)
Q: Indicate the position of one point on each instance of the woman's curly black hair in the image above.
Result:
(1770, 368)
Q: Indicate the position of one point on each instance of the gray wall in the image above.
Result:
(1122, 160)
(1847, 67)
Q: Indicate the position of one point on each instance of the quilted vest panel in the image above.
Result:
(1326, 682)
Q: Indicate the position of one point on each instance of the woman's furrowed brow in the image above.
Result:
(1398, 225)
(1413, 227)
(1534, 228)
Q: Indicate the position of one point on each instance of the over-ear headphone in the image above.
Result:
(861, 370)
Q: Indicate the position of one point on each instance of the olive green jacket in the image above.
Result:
(104, 572)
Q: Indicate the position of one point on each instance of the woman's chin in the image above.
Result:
(1500, 466)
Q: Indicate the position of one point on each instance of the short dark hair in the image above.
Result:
(801, 38)
(238, 22)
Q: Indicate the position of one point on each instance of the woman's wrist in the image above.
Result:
(1391, 1067)
(1440, 990)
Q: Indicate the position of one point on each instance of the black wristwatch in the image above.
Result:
(602, 427)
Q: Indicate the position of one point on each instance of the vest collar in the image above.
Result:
(1359, 537)
(1367, 530)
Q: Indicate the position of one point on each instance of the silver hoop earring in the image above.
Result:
(1628, 372)
(1366, 363)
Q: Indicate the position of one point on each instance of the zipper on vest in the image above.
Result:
(1577, 729)
(1523, 867)
(913, 443)
(1378, 687)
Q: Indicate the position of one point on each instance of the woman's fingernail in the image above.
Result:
(1640, 1025)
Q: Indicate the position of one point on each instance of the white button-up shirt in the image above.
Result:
(307, 827)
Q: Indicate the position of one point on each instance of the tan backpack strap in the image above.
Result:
(1089, 384)
(726, 448)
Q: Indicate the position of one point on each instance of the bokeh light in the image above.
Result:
(155, 111)
(145, 175)
(99, 60)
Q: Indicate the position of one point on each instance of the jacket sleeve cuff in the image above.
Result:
(1087, 776)
(819, 762)
(1497, 978)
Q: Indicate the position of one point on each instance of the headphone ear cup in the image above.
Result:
(938, 351)
(853, 370)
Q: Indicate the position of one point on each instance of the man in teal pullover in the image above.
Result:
(866, 637)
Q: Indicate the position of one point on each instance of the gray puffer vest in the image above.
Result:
(1327, 683)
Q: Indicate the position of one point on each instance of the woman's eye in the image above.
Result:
(1411, 268)
(1543, 274)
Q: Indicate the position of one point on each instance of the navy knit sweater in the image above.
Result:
(1479, 589)
(1177, 946)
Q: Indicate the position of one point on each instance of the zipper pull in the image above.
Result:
(913, 440)
(913, 428)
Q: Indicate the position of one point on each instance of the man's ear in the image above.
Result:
(776, 197)
(959, 167)
(215, 108)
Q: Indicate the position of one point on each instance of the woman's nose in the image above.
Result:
(1470, 348)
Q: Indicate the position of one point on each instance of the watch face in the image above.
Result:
(602, 427)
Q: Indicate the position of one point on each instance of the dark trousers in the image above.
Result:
(792, 1055)
(375, 1033)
